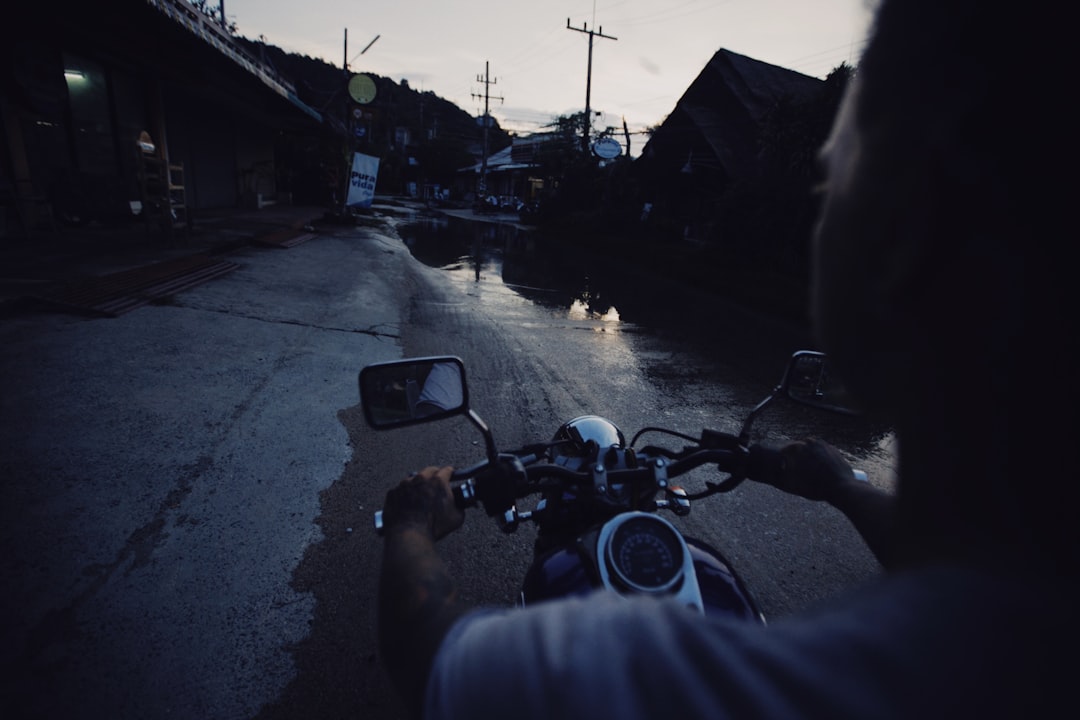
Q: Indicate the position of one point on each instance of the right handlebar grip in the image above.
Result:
(764, 464)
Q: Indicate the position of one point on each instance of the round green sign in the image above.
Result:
(362, 89)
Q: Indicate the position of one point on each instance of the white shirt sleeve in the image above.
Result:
(442, 387)
(931, 644)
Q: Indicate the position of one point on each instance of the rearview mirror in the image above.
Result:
(810, 380)
(406, 392)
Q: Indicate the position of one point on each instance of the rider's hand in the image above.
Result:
(812, 469)
(424, 500)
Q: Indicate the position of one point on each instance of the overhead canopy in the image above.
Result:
(171, 41)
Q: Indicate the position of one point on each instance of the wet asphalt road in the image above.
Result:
(189, 487)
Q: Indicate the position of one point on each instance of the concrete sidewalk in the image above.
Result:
(163, 474)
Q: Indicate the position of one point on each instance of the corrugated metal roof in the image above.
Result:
(499, 162)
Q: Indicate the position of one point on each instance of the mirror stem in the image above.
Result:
(744, 435)
(489, 439)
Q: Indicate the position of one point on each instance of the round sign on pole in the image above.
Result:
(362, 89)
(607, 148)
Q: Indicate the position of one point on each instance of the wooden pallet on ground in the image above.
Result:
(117, 293)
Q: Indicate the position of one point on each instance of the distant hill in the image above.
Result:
(426, 115)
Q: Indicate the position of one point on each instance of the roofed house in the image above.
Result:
(511, 172)
(711, 137)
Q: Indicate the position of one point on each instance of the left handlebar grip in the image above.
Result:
(464, 498)
(465, 495)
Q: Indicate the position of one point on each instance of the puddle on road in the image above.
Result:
(519, 260)
(708, 355)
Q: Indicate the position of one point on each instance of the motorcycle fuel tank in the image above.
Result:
(567, 571)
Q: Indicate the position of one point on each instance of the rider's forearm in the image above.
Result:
(872, 512)
(417, 606)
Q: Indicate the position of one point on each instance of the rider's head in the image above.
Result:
(932, 288)
(918, 232)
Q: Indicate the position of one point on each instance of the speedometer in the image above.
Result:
(645, 554)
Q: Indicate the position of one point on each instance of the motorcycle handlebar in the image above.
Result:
(656, 469)
(758, 462)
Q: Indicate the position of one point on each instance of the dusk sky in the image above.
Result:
(540, 66)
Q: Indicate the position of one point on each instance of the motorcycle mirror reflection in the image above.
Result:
(413, 391)
(811, 380)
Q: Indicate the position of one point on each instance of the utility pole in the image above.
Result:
(488, 82)
(588, 81)
(347, 119)
(350, 116)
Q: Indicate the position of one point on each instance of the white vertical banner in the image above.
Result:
(365, 169)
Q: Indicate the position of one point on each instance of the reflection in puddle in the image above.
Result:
(516, 258)
(579, 310)
(508, 268)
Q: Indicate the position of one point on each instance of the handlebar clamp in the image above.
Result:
(660, 472)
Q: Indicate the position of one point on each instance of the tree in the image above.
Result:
(793, 131)
(791, 137)
(214, 13)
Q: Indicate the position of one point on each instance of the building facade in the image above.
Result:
(109, 107)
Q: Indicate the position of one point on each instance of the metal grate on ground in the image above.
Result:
(285, 238)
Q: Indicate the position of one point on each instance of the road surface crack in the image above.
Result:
(373, 331)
